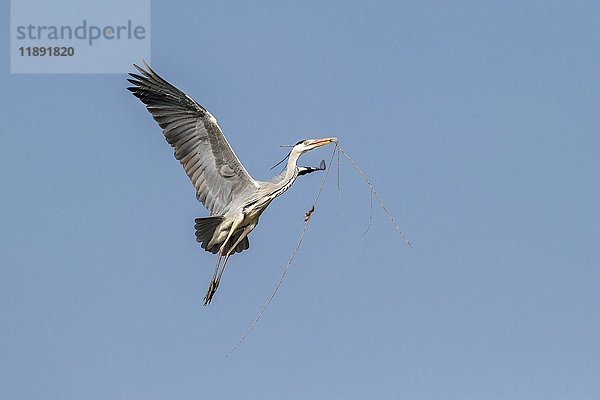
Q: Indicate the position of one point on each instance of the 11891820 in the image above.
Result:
(47, 51)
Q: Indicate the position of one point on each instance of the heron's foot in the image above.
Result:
(212, 288)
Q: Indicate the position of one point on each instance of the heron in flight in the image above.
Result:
(233, 198)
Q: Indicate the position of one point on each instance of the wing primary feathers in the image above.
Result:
(199, 144)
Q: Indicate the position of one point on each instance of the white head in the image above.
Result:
(302, 147)
(309, 144)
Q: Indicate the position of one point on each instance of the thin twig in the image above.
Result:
(339, 189)
(391, 218)
(289, 263)
(370, 212)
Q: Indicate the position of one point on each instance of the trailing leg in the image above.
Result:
(214, 283)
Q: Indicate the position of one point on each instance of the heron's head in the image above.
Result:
(309, 144)
(303, 146)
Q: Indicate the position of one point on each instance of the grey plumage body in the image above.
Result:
(233, 198)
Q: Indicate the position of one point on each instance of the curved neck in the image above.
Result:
(291, 170)
(284, 180)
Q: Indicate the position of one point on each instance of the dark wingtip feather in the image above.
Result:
(142, 70)
(148, 67)
(138, 77)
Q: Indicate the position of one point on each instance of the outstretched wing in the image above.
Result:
(200, 146)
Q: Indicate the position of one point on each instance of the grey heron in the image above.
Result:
(233, 198)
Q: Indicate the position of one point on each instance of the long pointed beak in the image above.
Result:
(322, 142)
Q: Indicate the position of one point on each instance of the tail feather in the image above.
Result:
(205, 229)
(243, 245)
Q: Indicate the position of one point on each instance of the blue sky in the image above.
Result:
(479, 126)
